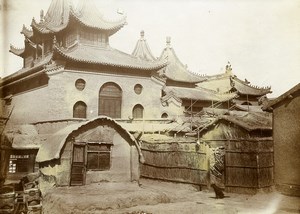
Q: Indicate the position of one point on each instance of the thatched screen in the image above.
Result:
(248, 162)
(177, 160)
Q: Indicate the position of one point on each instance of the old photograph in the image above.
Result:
(149, 107)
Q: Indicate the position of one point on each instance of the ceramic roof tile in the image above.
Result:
(107, 56)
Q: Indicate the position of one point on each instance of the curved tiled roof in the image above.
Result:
(56, 18)
(88, 15)
(107, 56)
(226, 82)
(175, 70)
(243, 87)
(142, 49)
(26, 72)
(16, 51)
(27, 33)
(199, 94)
(21, 51)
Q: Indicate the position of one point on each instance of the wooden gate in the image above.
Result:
(248, 165)
(78, 166)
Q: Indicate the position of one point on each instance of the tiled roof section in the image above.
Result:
(21, 51)
(88, 15)
(220, 83)
(56, 18)
(289, 94)
(142, 49)
(26, 72)
(227, 81)
(198, 94)
(107, 56)
(244, 87)
(27, 32)
(16, 51)
(175, 70)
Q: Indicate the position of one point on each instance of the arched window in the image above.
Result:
(79, 110)
(164, 115)
(138, 111)
(110, 100)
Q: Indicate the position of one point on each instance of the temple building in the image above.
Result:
(228, 82)
(74, 83)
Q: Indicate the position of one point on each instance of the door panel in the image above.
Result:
(110, 107)
(78, 166)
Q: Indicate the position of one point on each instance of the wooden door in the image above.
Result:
(110, 100)
(110, 107)
(78, 166)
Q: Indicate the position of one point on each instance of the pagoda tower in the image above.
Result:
(226, 82)
(79, 35)
(68, 60)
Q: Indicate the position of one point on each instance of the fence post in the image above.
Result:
(257, 165)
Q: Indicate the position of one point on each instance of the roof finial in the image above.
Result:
(168, 41)
(41, 15)
(142, 34)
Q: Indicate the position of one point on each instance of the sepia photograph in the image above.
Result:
(149, 107)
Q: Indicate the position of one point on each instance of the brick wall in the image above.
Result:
(55, 101)
(286, 135)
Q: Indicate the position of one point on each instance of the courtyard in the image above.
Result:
(150, 196)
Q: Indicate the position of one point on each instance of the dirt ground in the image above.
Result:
(160, 198)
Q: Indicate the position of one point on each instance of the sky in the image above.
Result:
(261, 39)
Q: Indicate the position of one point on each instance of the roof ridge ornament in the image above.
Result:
(142, 34)
(228, 68)
(54, 41)
(168, 41)
(42, 17)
